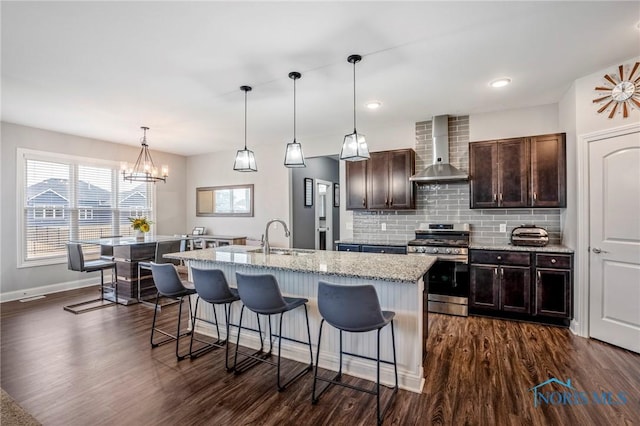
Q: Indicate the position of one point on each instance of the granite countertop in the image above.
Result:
(373, 266)
(550, 248)
(365, 241)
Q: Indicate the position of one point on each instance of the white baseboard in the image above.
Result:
(48, 289)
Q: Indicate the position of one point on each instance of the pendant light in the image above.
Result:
(354, 147)
(293, 156)
(245, 160)
(144, 170)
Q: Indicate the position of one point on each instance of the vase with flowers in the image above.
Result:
(140, 225)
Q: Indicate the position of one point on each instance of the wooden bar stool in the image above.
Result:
(355, 309)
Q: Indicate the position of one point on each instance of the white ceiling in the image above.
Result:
(103, 69)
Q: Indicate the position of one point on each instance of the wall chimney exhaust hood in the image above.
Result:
(440, 170)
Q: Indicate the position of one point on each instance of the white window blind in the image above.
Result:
(71, 198)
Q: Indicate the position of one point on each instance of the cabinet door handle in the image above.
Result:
(539, 276)
(386, 201)
(501, 197)
(381, 251)
(553, 261)
(391, 201)
(499, 258)
(502, 273)
(495, 197)
(535, 197)
(495, 272)
(363, 202)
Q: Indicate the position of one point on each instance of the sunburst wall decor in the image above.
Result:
(620, 91)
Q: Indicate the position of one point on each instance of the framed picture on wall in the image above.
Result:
(336, 195)
(308, 192)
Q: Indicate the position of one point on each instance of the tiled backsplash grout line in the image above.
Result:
(449, 202)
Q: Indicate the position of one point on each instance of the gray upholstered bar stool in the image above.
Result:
(169, 284)
(355, 309)
(212, 287)
(261, 294)
(76, 262)
(162, 248)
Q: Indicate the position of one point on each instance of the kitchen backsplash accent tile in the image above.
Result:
(449, 202)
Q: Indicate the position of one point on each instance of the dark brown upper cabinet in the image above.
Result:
(356, 185)
(519, 172)
(386, 184)
(548, 171)
(498, 172)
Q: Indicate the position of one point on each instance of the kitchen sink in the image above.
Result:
(286, 251)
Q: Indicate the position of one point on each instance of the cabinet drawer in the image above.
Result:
(553, 260)
(385, 249)
(348, 247)
(500, 257)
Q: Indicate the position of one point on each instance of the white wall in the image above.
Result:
(271, 193)
(170, 211)
(538, 120)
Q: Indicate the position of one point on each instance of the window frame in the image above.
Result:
(74, 211)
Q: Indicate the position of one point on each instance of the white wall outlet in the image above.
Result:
(503, 227)
(384, 226)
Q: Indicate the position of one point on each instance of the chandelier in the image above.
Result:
(144, 170)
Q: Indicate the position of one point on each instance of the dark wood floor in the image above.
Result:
(98, 368)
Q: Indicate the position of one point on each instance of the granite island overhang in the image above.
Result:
(398, 280)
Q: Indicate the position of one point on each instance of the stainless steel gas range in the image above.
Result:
(448, 279)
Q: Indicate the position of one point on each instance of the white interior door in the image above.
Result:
(614, 240)
(324, 215)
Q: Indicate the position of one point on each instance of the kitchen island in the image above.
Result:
(398, 281)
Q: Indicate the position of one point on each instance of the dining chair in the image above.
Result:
(77, 262)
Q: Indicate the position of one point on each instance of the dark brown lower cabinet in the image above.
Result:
(523, 285)
(371, 248)
(554, 282)
(500, 288)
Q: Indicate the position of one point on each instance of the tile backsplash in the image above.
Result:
(449, 202)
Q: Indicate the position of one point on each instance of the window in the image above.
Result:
(72, 198)
(236, 200)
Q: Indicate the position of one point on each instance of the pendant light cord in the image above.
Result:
(245, 120)
(294, 110)
(354, 96)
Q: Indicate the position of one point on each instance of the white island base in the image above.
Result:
(405, 298)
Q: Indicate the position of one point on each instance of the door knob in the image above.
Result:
(596, 250)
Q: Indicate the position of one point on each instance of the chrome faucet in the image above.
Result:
(266, 248)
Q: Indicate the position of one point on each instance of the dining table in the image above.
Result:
(128, 252)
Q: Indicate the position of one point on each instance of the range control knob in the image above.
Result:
(448, 251)
(434, 250)
(456, 251)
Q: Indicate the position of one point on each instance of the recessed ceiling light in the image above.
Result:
(374, 104)
(500, 82)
